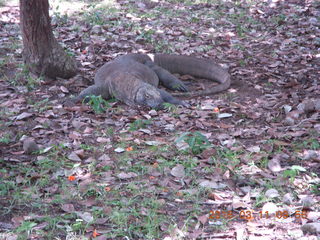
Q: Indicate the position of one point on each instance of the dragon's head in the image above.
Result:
(148, 95)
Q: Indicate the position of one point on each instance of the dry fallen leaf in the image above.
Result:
(124, 175)
(178, 171)
(69, 208)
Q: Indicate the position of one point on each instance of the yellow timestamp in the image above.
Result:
(250, 214)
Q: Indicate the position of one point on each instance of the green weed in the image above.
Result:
(99, 15)
(98, 104)
(42, 105)
(5, 138)
(26, 227)
(197, 142)
(139, 123)
(225, 157)
(170, 107)
(59, 19)
(293, 172)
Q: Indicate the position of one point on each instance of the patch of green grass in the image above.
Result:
(170, 107)
(3, 63)
(315, 189)
(6, 186)
(137, 219)
(24, 78)
(139, 123)
(109, 131)
(98, 104)
(293, 172)
(147, 35)
(42, 105)
(197, 141)
(311, 143)
(139, 169)
(79, 226)
(99, 15)
(226, 157)
(25, 228)
(278, 19)
(5, 138)
(263, 163)
(260, 199)
(190, 163)
(86, 147)
(47, 163)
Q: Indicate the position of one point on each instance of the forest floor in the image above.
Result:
(242, 164)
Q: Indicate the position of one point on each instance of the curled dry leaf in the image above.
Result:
(254, 149)
(287, 199)
(74, 157)
(103, 140)
(224, 115)
(69, 208)
(128, 175)
(274, 165)
(272, 193)
(86, 216)
(153, 143)
(212, 184)
(178, 171)
(24, 115)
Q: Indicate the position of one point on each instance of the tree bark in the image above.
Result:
(42, 53)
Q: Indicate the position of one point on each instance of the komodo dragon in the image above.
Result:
(134, 79)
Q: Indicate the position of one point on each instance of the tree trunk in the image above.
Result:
(42, 53)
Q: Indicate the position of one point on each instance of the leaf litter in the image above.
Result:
(263, 132)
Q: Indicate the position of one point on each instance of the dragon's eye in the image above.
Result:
(148, 96)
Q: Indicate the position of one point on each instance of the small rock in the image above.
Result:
(311, 228)
(30, 146)
(287, 199)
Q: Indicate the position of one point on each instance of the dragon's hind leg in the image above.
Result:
(166, 78)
